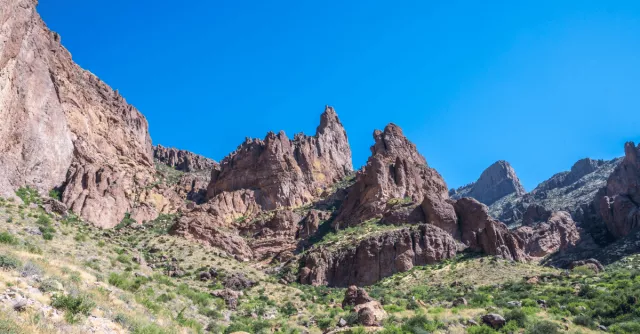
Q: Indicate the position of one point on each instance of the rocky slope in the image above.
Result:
(495, 182)
(572, 191)
(397, 189)
(64, 128)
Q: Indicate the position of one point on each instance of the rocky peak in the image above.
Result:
(287, 172)
(495, 182)
(395, 172)
(181, 159)
(619, 206)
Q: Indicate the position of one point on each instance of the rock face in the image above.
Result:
(497, 181)
(378, 256)
(573, 191)
(481, 233)
(559, 232)
(182, 160)
(273, 174)
(620, 204)
(286, 173)
(370, 312)
(395, 171)
(62, 126)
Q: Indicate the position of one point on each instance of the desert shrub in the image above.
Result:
(8, 238)
(55, 194)
(125, 282)
(30, 269)
(199, 298)
(584, 320)
(74, 306)
(484, 329)
(49, 285)
(8, 262)
(28, 195)
(518, 316)
(420, 323)
(324, 323)
(125, 222)
(629, 327)
(8, 326)
(543, 327)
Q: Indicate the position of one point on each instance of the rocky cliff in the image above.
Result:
(63, 127)
(266, 175)
(620, 203)
(182, 160)
(495, 182)
(395, 173)
(572, 191)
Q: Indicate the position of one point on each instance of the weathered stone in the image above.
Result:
(494, 320)
(182, 160)
(592, 264)
(377, 257)
(619, 206)
(64, 127)
(395, 172)
(559, 232)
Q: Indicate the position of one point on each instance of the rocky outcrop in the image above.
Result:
(62, 126)
(573, 191)
(272, 234)
(285, 173)
(395, 172)
(620, 203)
(495, 182)
(370, 312)
(558, 233)
(581, 168)
(182, 160)
(481, 233)
(198, 228)
(270, 175)
(377, 256)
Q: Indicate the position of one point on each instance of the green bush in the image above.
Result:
(518, 316)
(584, 320)
(484, 329)
(74, 306)
(55, 194)
(544, 327)
(7, 238)
(28, 195)
(8, 262)
(631, 327)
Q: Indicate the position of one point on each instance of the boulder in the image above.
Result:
(494, 320)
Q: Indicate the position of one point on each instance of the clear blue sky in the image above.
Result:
(540, 84)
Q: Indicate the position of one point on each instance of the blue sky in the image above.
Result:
(540, 84)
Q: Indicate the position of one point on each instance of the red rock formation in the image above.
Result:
(620, 204)
(559, 232)
(272, 174)
(182, 160)
(377, 257)
(481, 233)
(395, 172)
(63, 126)
(285, 173)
